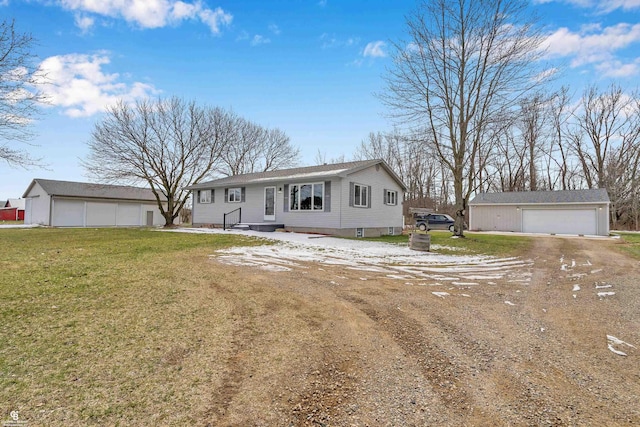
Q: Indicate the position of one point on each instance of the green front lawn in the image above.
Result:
(472, 243)
(631, 244)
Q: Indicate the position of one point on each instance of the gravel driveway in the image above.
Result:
(549, 339)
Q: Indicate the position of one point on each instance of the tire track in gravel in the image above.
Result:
(436, 365)
(236, 366)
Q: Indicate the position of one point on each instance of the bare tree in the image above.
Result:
(19, 97)
(169, 144)
(602, 118)
(252, 148)
(467, 62)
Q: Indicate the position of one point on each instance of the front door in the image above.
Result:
(269, 203)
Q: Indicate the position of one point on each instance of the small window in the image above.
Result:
(360, 196)
(391, 197)
(204, 196)
(359, 232)
(392, 231)
(235, 195)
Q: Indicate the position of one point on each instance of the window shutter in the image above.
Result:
(368, 196)
(327, 196)
(242, 194)
(351, 192)
(385, 194)
(226, 195)
(213, 195)
(198, 196)
(286, 198)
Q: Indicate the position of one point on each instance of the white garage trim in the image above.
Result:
(560, 221)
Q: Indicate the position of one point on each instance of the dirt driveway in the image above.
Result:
(550, 339)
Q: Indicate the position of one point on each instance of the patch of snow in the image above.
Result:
(466, 295)
(598, 270)
(605, 294)
(576, 288)
(465, 283)
(618, 352)
(587, 264)
(509, 303)
(603, 286)
(575, 296)
(440, 294)
(573, 263)
(563, 267)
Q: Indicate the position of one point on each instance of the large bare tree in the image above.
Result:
(19, 97)
(467, 62)
(253, 148)
(168, 144)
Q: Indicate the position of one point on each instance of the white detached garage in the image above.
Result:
(581, 212)
(79, 204)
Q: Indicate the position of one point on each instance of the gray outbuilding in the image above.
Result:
(79, 204)
(581, 212)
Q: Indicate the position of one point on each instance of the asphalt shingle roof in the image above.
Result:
(90, 190)
(307, 172)
(524, 197)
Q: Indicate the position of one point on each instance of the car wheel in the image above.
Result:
(452, 228)
(422, 227)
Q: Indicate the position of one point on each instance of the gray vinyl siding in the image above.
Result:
(253, 207)
(337, 214)
(495, 218)
(40, 201)
(378, 214)
(509, 217)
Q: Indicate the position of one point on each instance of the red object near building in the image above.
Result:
(11, 214)
(13, 210)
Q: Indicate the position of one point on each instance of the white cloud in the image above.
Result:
(617, 69)
(258, 40)
(592, 44)
(84, 22)
(78, 84)
(152, 13)
(331, 41)
(600, 6)
(274, 29)
(374, 50)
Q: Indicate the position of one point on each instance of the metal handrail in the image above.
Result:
(233, 220)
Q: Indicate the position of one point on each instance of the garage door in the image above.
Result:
(560, 221)
(68, 213)
(101, 214)
(128, 214)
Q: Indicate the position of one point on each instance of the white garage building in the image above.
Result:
(581, 212)
(79, 204)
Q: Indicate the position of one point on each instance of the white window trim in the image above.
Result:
(366, 192)
(231, 191)
(391, 194)
(204, 196)
(313, 188)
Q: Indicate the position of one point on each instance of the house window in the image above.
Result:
(360, 196)
(391, 197)
(234, 195)
(204, 196)
(359, 232)
(306, 197)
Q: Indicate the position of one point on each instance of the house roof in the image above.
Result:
(541, 197)
(92, 190)
(15, 203)
(301, 173)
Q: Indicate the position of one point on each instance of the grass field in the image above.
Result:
(473, 243)
(129, 326)
(95, 323)
(631, 244)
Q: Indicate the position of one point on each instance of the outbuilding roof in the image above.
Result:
(92, 190)
(542, 197)
(301, 173)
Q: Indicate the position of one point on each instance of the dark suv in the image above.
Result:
(434, 221)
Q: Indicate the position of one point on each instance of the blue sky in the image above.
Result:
(308, 67)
